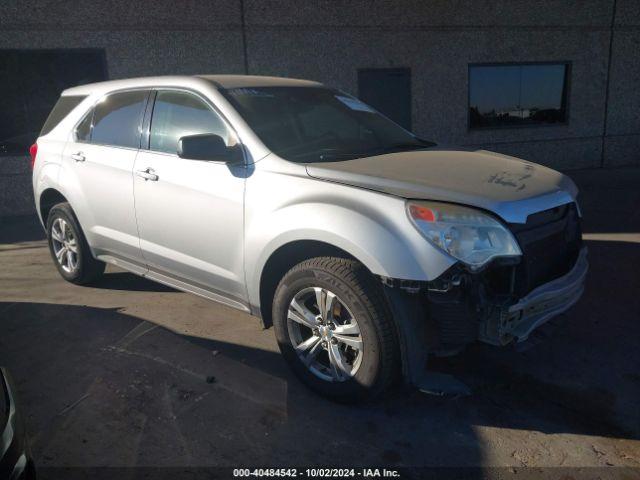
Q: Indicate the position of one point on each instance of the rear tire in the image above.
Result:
(69, 248)
(348, 352)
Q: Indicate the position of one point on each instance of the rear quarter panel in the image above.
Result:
(46, 172)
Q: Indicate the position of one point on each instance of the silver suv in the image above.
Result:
(366, 247)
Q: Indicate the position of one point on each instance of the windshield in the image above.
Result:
(314, 124)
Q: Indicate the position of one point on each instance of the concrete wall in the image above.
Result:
(329, 40)
(622, 140)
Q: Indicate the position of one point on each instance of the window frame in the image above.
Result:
(91, 111)
(566, 93)
(146, 126)
(77, 125)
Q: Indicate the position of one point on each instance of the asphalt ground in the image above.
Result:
(131, 373)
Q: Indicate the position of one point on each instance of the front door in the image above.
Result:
(190, 212)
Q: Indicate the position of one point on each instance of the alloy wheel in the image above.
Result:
(65, 245)
(325, 334)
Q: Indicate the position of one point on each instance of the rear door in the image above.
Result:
(100, 162)
(190, 212)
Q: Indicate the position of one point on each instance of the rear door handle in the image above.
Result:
(78, 157)
(147, 174)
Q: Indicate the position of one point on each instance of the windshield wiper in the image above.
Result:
(398, 147)
(327, 157)
(407, 146)
(330, 154)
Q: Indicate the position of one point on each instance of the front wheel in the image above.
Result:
(335, 329)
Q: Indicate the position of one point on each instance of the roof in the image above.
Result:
(242, 81)
(217, 81)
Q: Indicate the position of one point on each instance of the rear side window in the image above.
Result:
(117, 119)
(61, 109)
(176, 114)
(83, 130)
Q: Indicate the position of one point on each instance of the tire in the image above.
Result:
(369, 370)
(85, 269)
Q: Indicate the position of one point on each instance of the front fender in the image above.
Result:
(371, 227)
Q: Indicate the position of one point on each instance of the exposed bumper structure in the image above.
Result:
(517, 321)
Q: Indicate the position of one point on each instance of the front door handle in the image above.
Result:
(147, 174)
(78, 157)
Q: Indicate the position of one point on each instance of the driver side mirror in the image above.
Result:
(208, 146)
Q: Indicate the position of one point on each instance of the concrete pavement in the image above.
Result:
(129, 373)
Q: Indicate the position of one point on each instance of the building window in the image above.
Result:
(31, 82)
(518, 95)
(388, 90)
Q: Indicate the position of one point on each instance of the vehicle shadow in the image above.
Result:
(99, 387)
(129, 282)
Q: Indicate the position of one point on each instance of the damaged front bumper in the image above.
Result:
(444, 316)
(515, 322)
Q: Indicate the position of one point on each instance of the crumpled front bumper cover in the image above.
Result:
(517, 321)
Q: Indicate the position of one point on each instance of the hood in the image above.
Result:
(507, 186)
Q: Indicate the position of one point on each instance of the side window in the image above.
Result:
(83, 130)
(176, 114)
(117, 118)
(61, 109)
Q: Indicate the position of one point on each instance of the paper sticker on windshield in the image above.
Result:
(355, 104)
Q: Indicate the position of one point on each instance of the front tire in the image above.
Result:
(335, 329)
(69, 248)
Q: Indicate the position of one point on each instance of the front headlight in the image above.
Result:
(469, 235)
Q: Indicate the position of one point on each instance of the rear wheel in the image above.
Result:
(335, 330)
(69, 249)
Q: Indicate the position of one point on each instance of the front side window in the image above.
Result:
(117, 119)
(313, 124)
(178, 114)
(517, 95)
